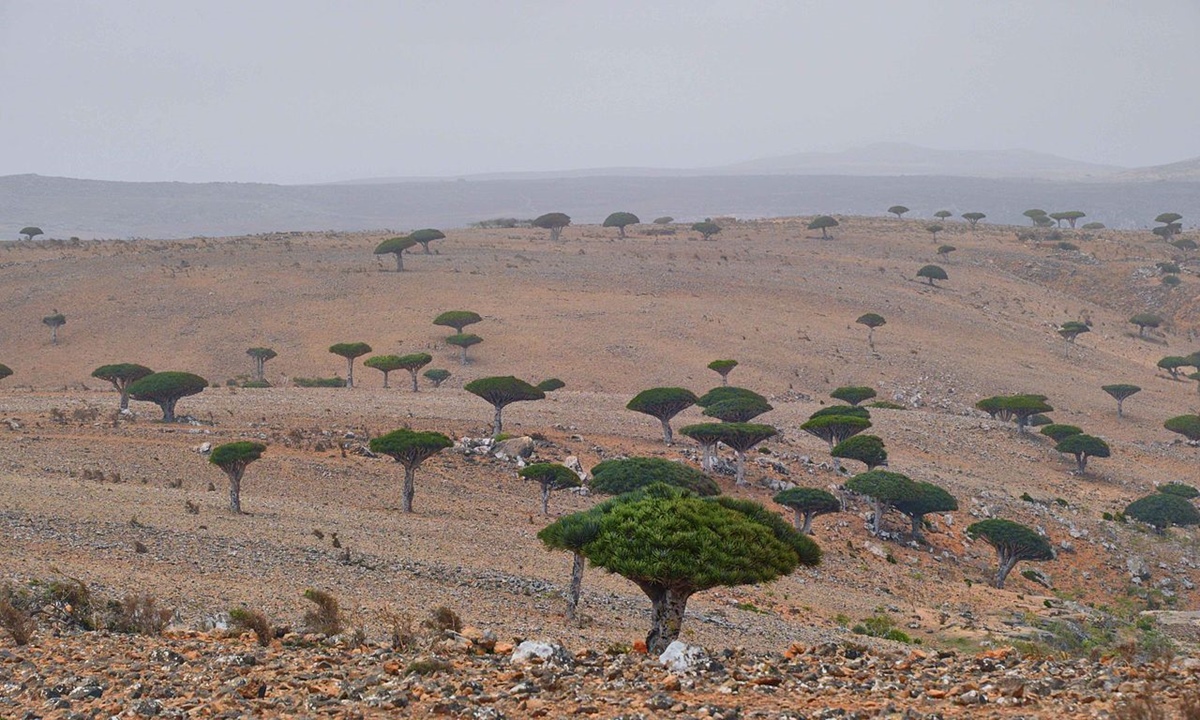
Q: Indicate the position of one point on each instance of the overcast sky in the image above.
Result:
(294, 91)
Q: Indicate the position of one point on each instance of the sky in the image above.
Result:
(302, 91)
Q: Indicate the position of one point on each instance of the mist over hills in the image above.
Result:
(857, 182)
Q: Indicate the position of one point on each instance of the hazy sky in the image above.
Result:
(294, 91)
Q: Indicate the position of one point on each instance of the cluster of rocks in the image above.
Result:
(472, 674)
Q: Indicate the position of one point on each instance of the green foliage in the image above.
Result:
(728, 392)
(620, 220)
(823, 223)
(554, 222)
(664, 220)
(842, 411)
(931, 273)
(350, 350)
(1163, 510)
(722, 367)
(617, 477)
(1073, 329)
(31, 231)
(1171, 280)
(414, 361)
(942, 214)
(395, 246)
(235, 456)
(426, 236)
(738, 409)
(834, 429)
(1084, 447)
(383, 363)
(1172, 363)
(706, 228)
(1058, 433)
(871, 320)
(1167, 266)
(329, 382)
(553, 475)
(973, 218)
(1034, 214)
(503, 390)
(463, 340)
(326, 617)
(742, 436)
(121, 374)
(882, 485)
(437, 376)
(551, 384)
(1094, 226)
(934, 229)
(809, 500)
(410, 448)
(1186, 425)
(945, 250)
(457, 319)
(1069, 247)
(1021, 408)
(663, 403)
(165, 389)
(886, 405)
(55, 320)
(1145, 320)
(1183, 490)
(5, 371)
(1184, 244)
(1168, 218)
(1013, 542)
(926, 498)
(243, 619)
(853, 394)
(897, 210)
(866, 449)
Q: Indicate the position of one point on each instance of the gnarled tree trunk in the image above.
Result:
(668, 438)
(497, 425)
(409, 489)
(235, 492)
(576, 586)
(668, 606)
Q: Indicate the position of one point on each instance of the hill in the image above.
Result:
(83, 488)
(87, 209)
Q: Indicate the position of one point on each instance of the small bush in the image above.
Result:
(326, 617)
(243, 619)
(15, 617)
(70, 599)
(886, 405)
(400, 630)
(331, 382)
(441, 619)
(1171, 280)
(137, 614)
(426, 666)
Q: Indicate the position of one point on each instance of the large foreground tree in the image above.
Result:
(672, 544)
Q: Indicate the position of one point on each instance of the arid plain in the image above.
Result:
(81, 492)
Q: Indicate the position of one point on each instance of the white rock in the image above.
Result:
(545, 651)
(204, 448)
(681, 657)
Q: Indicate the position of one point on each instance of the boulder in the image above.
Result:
(513, 448)
(572, 463)
(1139, 571)
(542, 651)
(681, 657)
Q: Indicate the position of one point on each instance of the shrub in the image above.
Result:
(617, 477)
(1171, 280)
(441, 619)
(1163, 510)
(137, 614)
(326, 617)
(887, 405)
(15, 617)
(330, 382)
(1183, 490)
(400, 630)
(427, 666)
(437, 376)
(1058, 432)
(243, 619)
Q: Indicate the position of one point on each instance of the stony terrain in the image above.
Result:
(130, 506)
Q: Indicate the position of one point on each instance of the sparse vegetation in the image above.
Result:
(165, 389)
(872, 321)
(500, 392)
(463, 341)
(54, 321)
(425, 236)
(551, 476)
(1013, 543)
(233, 458)
(410, 448)
(621, 220)
(554, 222)
(122, 375)
(1121, 392)
(723, 368)
(706, 228)
(806, 504)
(325, 617)
(898, 211)
(245, 619)
(396, 246)
(437, 376)
(350, 351)
(823, 223)
(663, 403)
(931, 273)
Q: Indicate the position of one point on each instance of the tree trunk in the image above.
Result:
(414, 379)
(545, 498)
(349, 372)
(1081, 461)
(576, 586)
(124, 399)
(1007, 563)
(168, 408)
(871, 338)
(53, 335)
(1120, 410)
(667, 436)
(385, 379)
(399, 261)
(741, 468)
(706, 456)
(668, 606)
(725, 380)
(555, 234)
(1141, 330)
(916, 528)
(463, 354)
(824, 234)
(409, 488)
(235, 492)
(878, 515)
(497, 425)
(426, 246)
(621, 229)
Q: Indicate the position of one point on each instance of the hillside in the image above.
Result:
(610, 317)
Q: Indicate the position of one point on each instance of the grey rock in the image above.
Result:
(681, 657)
(542, 651)
(513, 448)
